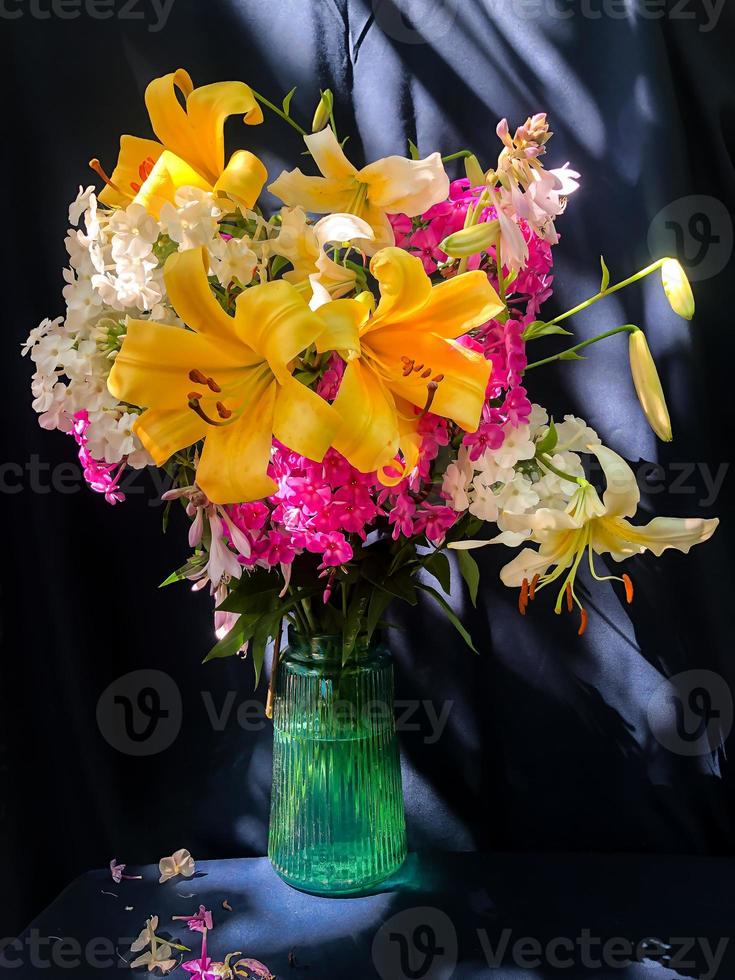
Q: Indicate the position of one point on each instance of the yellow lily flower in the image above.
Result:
(589, 526)
(403, 357)
(393, 185)
(191, 151)
(227, 380)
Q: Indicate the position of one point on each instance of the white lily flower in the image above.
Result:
(589, 525)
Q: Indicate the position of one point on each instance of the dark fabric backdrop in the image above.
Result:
(547, 744)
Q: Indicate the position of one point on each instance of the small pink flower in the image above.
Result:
(334, 547)
(423, 243)
(198, 922)
(116, 870)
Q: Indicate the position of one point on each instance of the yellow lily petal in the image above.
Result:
(167, 176)
(185, 274)
(208, 108)
(458, 305)
(153, 365)
(196, 133)
(398, 185)
(404, 286)
(164, 431)
(136, 156)
(242, 179)
(329, 155)
(319, 194)
(461, 392)
(303, 421)
(341, 320)
(275, 321)
(233, 467)
(368, 437)
(409, 445)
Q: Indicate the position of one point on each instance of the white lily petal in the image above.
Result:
(622, 494)
(341, 228)
(402, 186)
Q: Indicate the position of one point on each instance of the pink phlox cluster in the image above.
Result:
(102, 477)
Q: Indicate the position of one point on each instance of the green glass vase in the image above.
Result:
(337, 818)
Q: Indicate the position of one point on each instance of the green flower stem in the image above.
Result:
(461, 155)
(609, 291)
(628, 328)
(279, 112)
(544, 460)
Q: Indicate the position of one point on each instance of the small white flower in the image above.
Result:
(517, 446)
(193, 222)
(59, 413)
(518, 496)
(134, 232)
(50, 352)
(83, 200)
(457, 481)
(233, 259)
(180, 863)
(45, 327)
(42, 388)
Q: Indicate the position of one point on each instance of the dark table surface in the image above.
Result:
(442, 916)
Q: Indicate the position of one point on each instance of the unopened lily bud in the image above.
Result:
(323, 111)
(677, 288)
(648, 386)
(474, 171)
(470, 241)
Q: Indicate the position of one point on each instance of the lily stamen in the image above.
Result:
(200, 378)
(99, 170)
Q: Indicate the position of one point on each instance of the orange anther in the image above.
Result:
(628, 583)
(568, 591)
(583, 622)
(532, 587)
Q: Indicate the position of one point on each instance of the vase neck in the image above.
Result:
(326, 648)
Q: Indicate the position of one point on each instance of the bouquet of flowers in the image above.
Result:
(338, 390)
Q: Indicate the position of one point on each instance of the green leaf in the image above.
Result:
(355, 618)
(413, 150)
(230, 644)
(379, 602)
(470, 572)
(605, 275)
(450, 614)
(440, 568)
(549, 441)
(540, 329)
(287, 101)
(279, 262)
(266, 630)
(195, 564)
(570, 355)
(401, 584)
